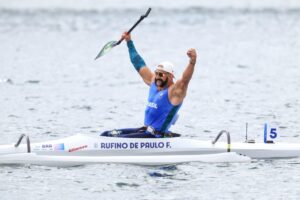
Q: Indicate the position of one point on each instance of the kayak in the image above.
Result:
(83, 149)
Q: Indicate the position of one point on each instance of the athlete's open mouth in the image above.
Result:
(160, 83)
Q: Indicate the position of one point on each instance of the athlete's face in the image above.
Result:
(161, 78)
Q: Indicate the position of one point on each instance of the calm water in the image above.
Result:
(50, 87)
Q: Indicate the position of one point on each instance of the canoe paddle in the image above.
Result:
(112, 44)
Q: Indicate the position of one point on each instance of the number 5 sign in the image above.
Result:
(270, 134)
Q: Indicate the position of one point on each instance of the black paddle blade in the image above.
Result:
(106, 48)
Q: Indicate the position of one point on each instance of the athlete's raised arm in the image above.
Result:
(178, 91)
(137, 61)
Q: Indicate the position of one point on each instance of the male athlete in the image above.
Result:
(165, 97)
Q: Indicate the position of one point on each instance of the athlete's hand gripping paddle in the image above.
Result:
(112, 44)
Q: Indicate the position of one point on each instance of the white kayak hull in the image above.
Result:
(85, 149)
(66, 161)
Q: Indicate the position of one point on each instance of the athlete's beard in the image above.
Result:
(162, 83)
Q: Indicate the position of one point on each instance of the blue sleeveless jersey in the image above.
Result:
(159, 112)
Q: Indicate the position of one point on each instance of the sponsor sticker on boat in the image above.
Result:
(43, 147)
(37, 148)
(78, 148)
(59, 147)
(49, 147)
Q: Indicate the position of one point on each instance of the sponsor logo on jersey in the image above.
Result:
(152, 105)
